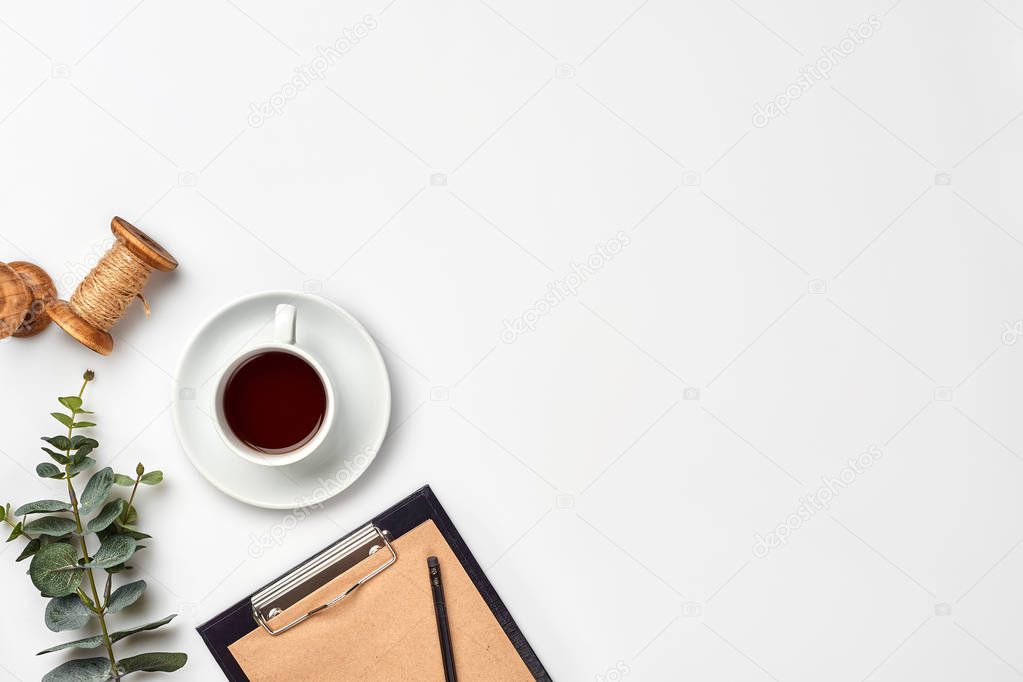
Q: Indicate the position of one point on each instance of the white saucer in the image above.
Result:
(351, 359)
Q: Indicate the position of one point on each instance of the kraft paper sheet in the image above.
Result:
(386, 629)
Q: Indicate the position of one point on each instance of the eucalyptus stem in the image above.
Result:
(99, 608)
(23, 533)
(72, 497)
(127, 509)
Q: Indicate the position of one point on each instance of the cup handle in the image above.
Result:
(284, 324)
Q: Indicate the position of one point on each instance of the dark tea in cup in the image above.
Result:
(274, 402)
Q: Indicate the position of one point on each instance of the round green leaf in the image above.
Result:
(111, 510)
(96, 490)
(121, 634)
(51, 525)
(125, 596)
(80, 465)
(42, 507)
(82, 453)
(56, 456)
(121, 479)
(71, 402)
(48, 470)
(63, 419)
(156, 662)
(67, 613)
(59, 442)
(115, 549)
(97, 640)
(85, 643)
(55, 571)
(131, 533)
(80, 441)
(84, 670)
(152, 478)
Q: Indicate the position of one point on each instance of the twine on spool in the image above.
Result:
(110, 287)
(106, 292)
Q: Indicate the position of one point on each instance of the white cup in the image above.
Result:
(284, 342)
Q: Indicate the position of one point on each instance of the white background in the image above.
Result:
(816, 284)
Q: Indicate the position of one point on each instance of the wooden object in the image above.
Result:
(25, 290)
(28, 298)
(143, 247)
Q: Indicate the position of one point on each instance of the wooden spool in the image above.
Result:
(28, 298)
(25, 290)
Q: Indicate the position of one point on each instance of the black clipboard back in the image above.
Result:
(237, 621)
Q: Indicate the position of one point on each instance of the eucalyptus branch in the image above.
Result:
(62, 564)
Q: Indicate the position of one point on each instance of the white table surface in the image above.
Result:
(795, 291)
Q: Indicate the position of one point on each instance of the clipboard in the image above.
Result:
(375, 538)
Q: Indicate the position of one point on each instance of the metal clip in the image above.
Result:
(273, 599)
